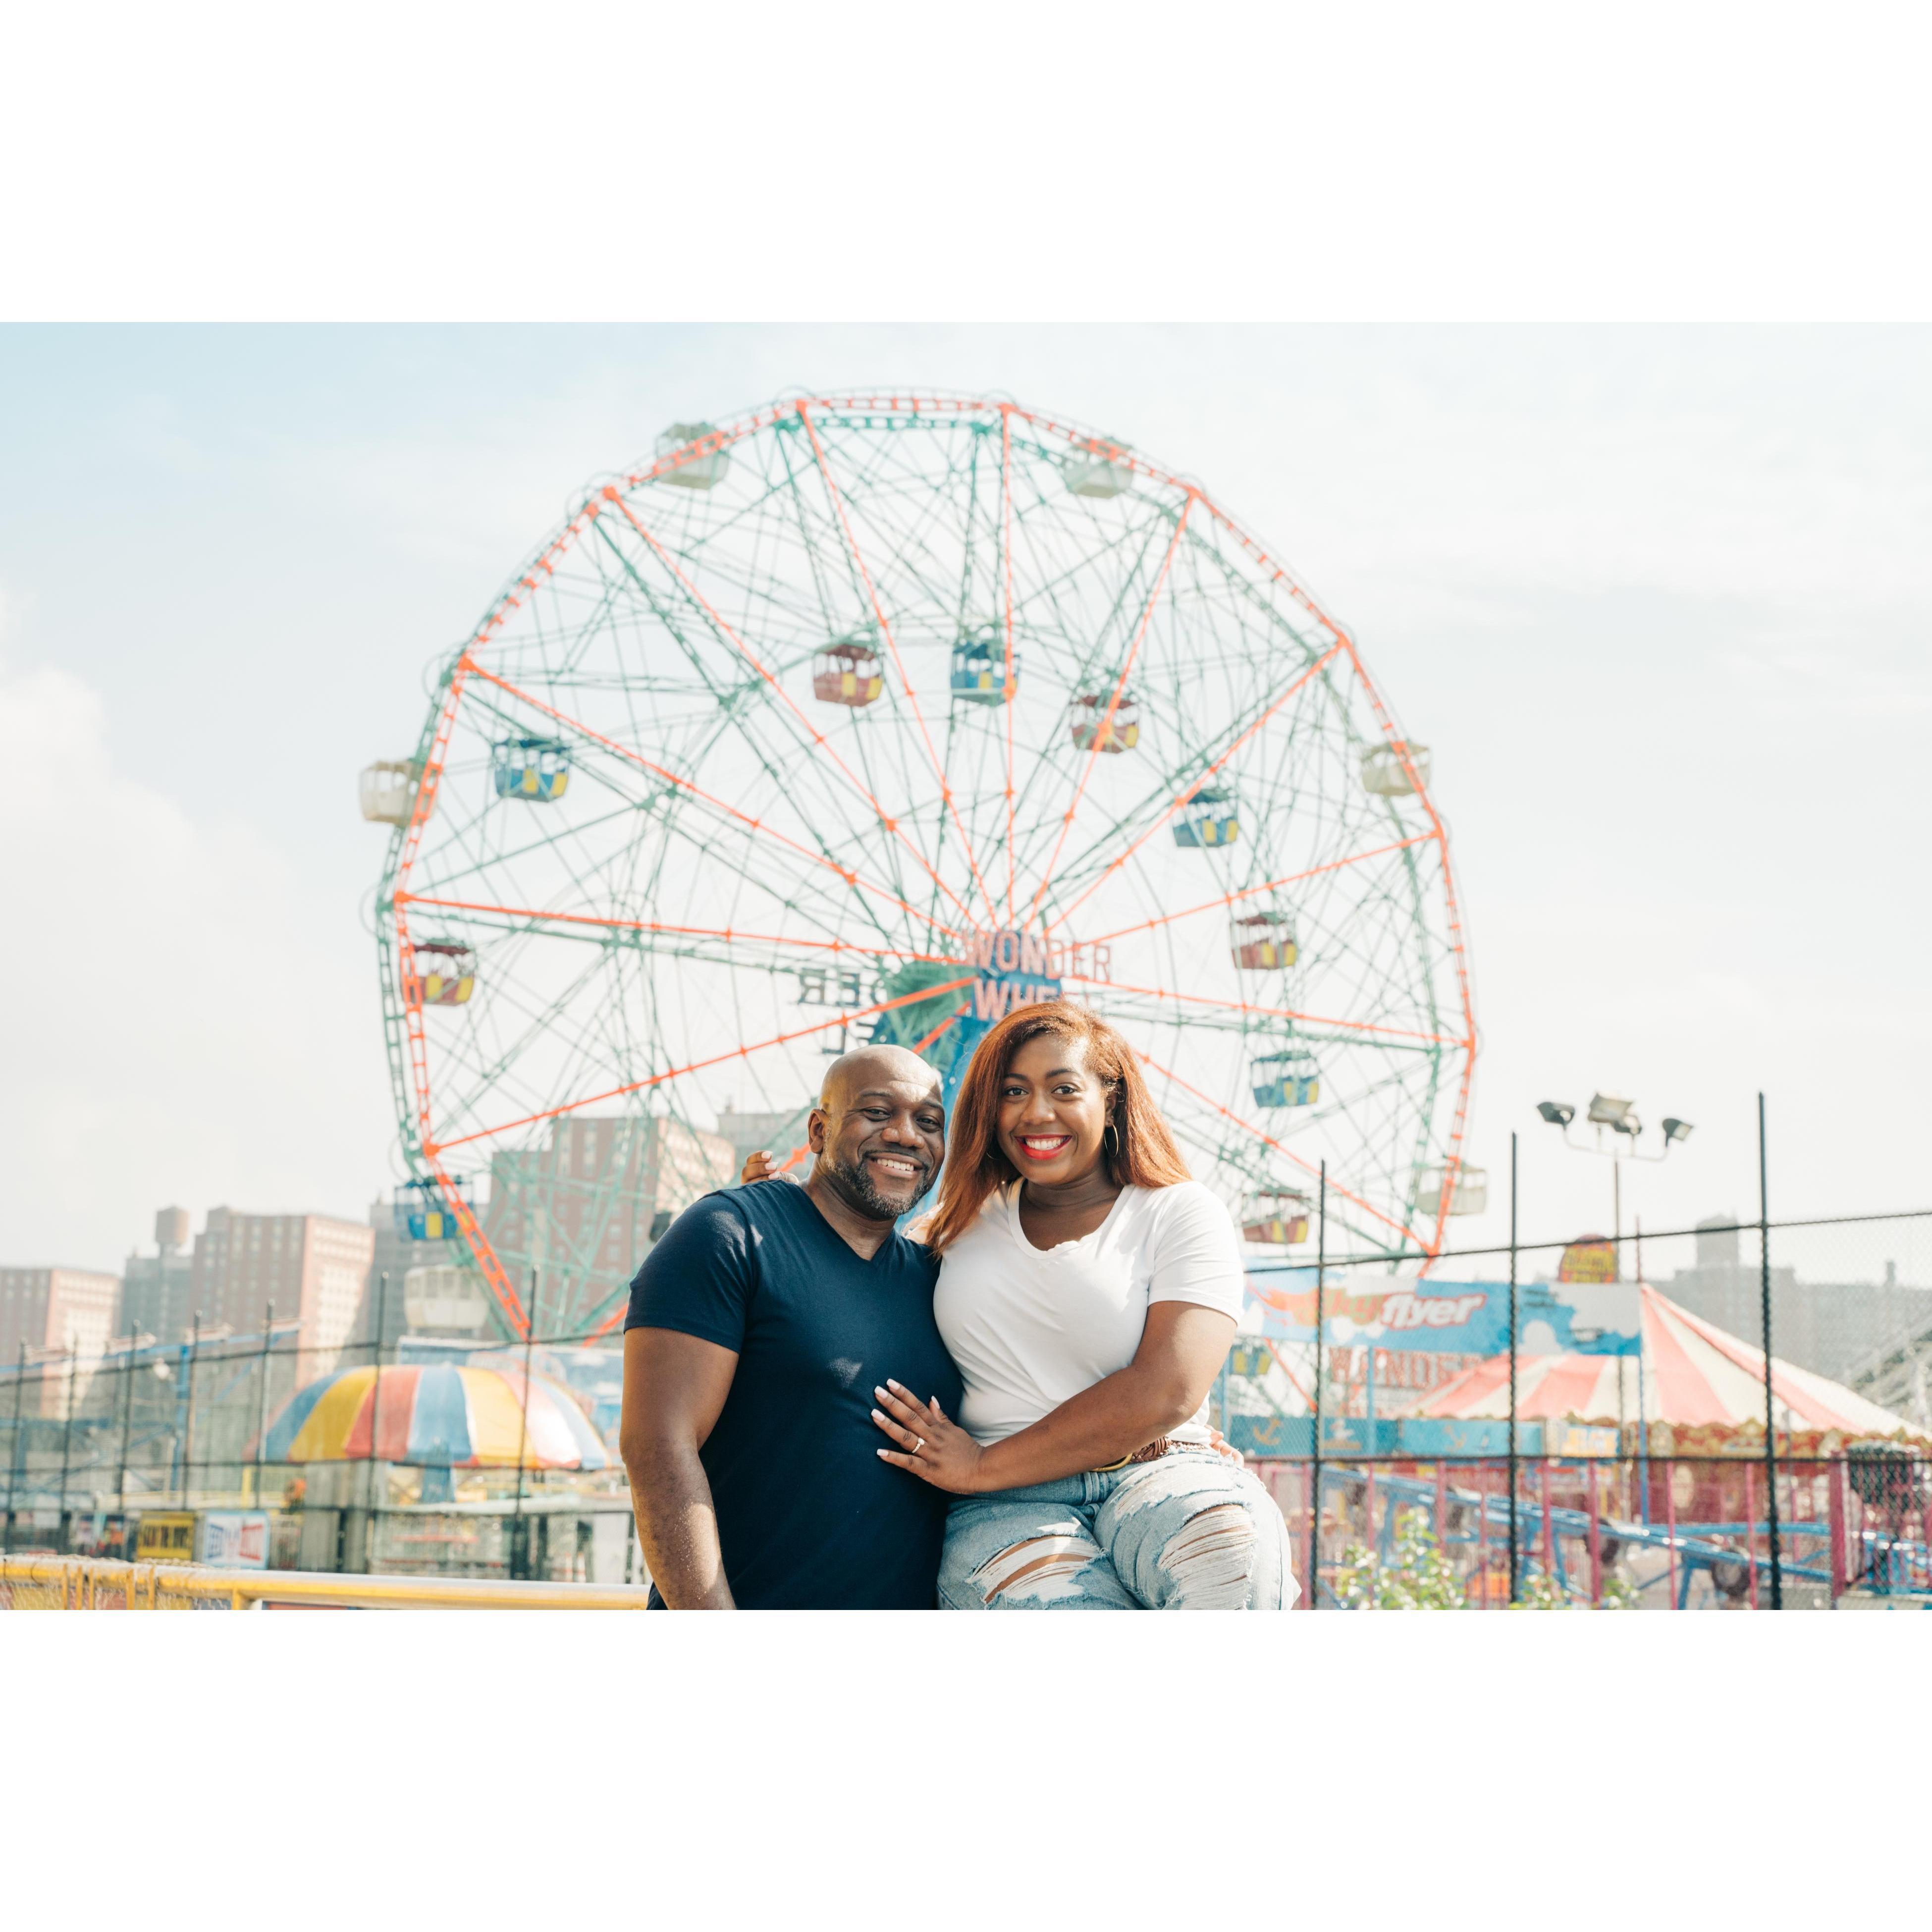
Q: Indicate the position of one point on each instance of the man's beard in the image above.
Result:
(855, 1183)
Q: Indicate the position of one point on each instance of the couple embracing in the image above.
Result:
(1009, 1413)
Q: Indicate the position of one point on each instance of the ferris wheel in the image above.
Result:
(869, 717)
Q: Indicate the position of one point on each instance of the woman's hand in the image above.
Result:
(760, 1166)
(931, 1446)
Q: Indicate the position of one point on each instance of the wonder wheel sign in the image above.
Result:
(873, 717)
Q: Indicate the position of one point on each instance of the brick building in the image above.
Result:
(51, 1312)
(586, 1208)
(311, 1267)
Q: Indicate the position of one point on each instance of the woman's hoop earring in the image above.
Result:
(1110, 1143)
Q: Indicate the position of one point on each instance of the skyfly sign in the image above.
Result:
(1451, 1317)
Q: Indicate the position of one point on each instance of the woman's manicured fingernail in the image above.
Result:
(894, 1386)
(878, 1391)
(876, 1417)
(878, 1452)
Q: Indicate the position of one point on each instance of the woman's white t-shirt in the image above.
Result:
(1031, 1328)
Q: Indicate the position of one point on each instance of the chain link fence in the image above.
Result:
(1409, 1476)
(1691, 1472)
(168, 1453)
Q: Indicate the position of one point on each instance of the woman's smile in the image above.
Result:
(1043, 1146)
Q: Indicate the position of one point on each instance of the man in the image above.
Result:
(758, 1327)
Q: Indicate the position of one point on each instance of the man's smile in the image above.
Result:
(898, 1166)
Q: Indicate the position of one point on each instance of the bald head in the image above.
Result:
(876, 1066)
(879, 1131)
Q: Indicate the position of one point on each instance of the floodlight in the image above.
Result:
(1629, 1124)
(1607, 1111)
(1558, 1113)
(1676, 1130)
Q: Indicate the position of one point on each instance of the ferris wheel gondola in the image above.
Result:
(1106, 721)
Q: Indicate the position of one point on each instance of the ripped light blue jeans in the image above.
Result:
(1189, 1531)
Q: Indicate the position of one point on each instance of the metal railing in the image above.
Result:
(83, 1583)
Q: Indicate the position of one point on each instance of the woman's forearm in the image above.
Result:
(1124, 1412)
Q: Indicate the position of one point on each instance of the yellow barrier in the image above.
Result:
(91, 1583)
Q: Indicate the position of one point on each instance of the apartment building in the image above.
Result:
(311, 1268)
(50, 1312)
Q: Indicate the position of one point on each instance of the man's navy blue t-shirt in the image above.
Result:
(808, 1515)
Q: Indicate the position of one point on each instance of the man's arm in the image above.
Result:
(674, 1386)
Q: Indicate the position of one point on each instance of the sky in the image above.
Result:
(1658, 598)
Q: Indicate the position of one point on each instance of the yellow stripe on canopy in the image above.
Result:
(324, 1435)
(496, 1419)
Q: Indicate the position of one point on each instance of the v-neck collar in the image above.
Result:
(839, 1241)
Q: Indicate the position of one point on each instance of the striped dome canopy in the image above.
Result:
(1695, 1375)
(436, 1417)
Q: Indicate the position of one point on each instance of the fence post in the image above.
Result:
(1597, 1543)
(1597, 1539)
(13, 1444)
(1750, 1530)
(376, 1421)
(1770, 1413)
(1670, 1519)
(127, 1434)
(519, 1548)
(1840, 1553)
(187, 1427)
(1320, 1280)
(262, 1418)
(67, 1448)
(1482, 1572)
(1918, 1478)
(1549, 1520)
(1515, 1558)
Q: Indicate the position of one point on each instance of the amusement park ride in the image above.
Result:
(870, 717)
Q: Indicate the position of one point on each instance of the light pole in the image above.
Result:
(1620, 1116)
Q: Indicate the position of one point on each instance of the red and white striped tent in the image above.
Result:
(1694, 1375)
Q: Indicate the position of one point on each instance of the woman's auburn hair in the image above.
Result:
(1144, 1154)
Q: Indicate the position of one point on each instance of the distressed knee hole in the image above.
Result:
(1210, 1559)
(1041, 1567)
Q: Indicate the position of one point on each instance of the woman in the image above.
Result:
(1089, 1291)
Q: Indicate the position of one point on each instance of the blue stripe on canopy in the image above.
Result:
(288, 1424)
(440, 1427)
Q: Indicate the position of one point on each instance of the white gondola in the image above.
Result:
(388, 792)
(1384, 773)
(443, 1296)
(1471, 1194)
(1097, 467)
(696, 472)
